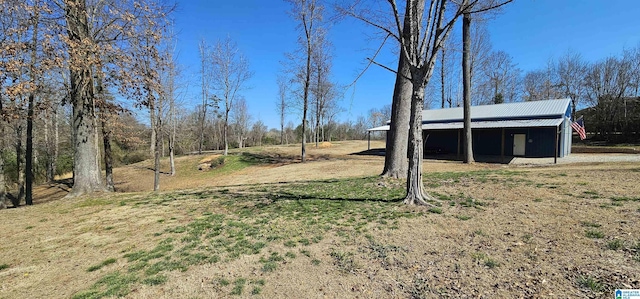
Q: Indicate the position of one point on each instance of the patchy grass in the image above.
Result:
(590, 283)
(344, 261)
(594, 234)
(616, 244)
(99, 266)
(334, 231)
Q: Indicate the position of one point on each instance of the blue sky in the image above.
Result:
(531, 31)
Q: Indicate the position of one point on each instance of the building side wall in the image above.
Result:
(444, 140)
(540, 141)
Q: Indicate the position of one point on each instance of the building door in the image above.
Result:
(519, 144)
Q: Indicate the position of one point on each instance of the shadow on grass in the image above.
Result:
(370, 152)
(366, 189)
(277, 158)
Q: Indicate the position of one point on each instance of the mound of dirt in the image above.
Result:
(208, 159)
(325, 144)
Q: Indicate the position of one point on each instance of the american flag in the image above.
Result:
(578, 125)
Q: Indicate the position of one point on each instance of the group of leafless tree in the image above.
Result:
(63, 62)
(607, 87)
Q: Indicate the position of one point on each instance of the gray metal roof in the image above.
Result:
(535, 109)
(525, 123)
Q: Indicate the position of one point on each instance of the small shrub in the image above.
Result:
(4, 266)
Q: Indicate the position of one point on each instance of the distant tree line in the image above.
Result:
(605, 91)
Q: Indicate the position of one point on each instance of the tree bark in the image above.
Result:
(156, 178)
(395, 160)
(3, 182)
(466, 78)
(108, 155)
(415, 188)
(28, 165)
(225, 131)
(86, 168)
(16, 200)
(442, 77)
(28, 169)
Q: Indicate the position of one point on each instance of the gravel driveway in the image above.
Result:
(578, 158)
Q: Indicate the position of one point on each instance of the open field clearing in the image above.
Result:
(262, 225)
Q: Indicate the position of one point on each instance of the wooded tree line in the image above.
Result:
(607, 87)
(63, 63)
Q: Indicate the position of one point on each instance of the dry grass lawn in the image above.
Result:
(264, 225)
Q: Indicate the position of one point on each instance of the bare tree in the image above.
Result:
(205, 74)
(571, 70)
(281, 104)
(171, 94)
(308, 13)
(502, 78)
(240, 120)
(230, 74)
(469, 60)
(420, 42)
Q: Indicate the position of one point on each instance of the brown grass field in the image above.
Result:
(263, 225)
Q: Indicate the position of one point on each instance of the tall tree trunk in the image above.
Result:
(19, 166)
(395, 160)
(108, 155)
(48, 121)
(28, 169)
(225, 130)
(415, 188)
(281, 132)
(152, 119)
(442, 78)
(3, 182)
(318, 98)
(156, 156)
(172, 119)
(466, 78)
(106, 131)
(172, 161)
(56, 140)
(86, 167)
